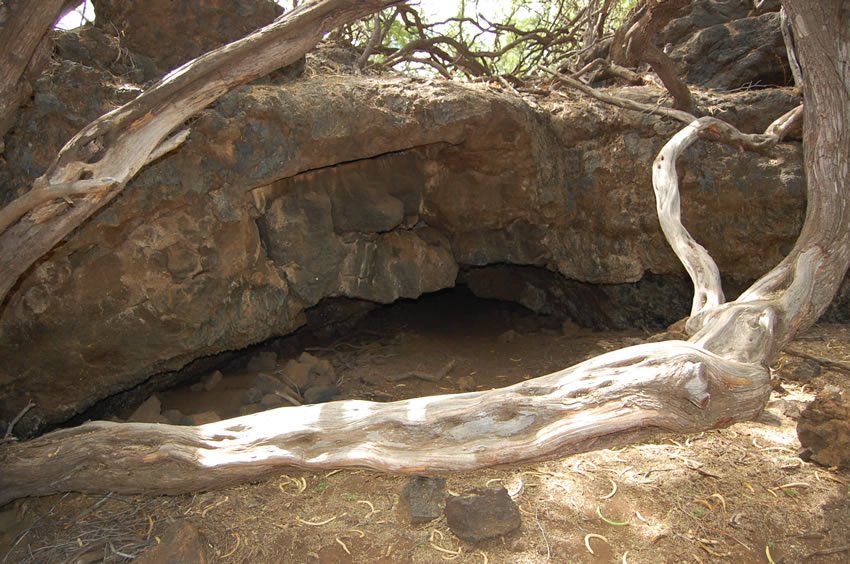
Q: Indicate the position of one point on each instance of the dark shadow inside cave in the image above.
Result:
(500, 324)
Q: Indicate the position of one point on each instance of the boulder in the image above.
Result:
(229, 240)
(737, 54)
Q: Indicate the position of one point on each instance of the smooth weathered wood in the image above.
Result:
(111, 150)
(708, 292)
(611, 400)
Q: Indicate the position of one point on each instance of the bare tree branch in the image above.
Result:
(113, 148)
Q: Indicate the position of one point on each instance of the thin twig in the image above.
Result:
(835, 364)
(8, 436)
(435, 377)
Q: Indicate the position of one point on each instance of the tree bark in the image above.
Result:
(99, 161)
(639, 47)
(611, 400)
(719, 376)
(24, 49)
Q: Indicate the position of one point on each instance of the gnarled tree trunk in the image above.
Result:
(716, 378)
(24, 49)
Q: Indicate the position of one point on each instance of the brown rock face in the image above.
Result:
(171, 33)
(824, 428)
(727, 45)
(375, 189)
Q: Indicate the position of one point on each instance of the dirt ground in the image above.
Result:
(735, 495)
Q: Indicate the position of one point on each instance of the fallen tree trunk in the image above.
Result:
(615, 399)
(717, 378)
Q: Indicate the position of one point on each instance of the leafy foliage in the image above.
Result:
(481, 38)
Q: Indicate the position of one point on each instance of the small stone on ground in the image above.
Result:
(485, 514)
(422, 499)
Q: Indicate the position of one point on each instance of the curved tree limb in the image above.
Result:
(708, 293)
(639, 46)
(614, 399)
(112, 149)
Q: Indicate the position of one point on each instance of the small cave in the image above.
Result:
(498, 325)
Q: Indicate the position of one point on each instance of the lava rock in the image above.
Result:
(271, 401)
(570, 328)
(508, 336)
(211, 380)
(466, 383)
(800, 370)
(824, 428)
(250, 409)
(790, 408)
(267, 384)
(176, 417)
(487, 513)
(320, 369)
(422, 499)
(309, 371)
(297, 373)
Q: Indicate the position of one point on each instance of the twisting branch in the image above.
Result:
(708, 293)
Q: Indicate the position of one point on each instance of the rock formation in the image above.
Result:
(291, 193)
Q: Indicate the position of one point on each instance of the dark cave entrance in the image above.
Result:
(498, 325)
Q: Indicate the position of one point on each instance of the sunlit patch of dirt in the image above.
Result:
(733, 495)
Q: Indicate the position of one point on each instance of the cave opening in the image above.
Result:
(498, 325)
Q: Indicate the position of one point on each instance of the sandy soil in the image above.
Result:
(734, 495)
